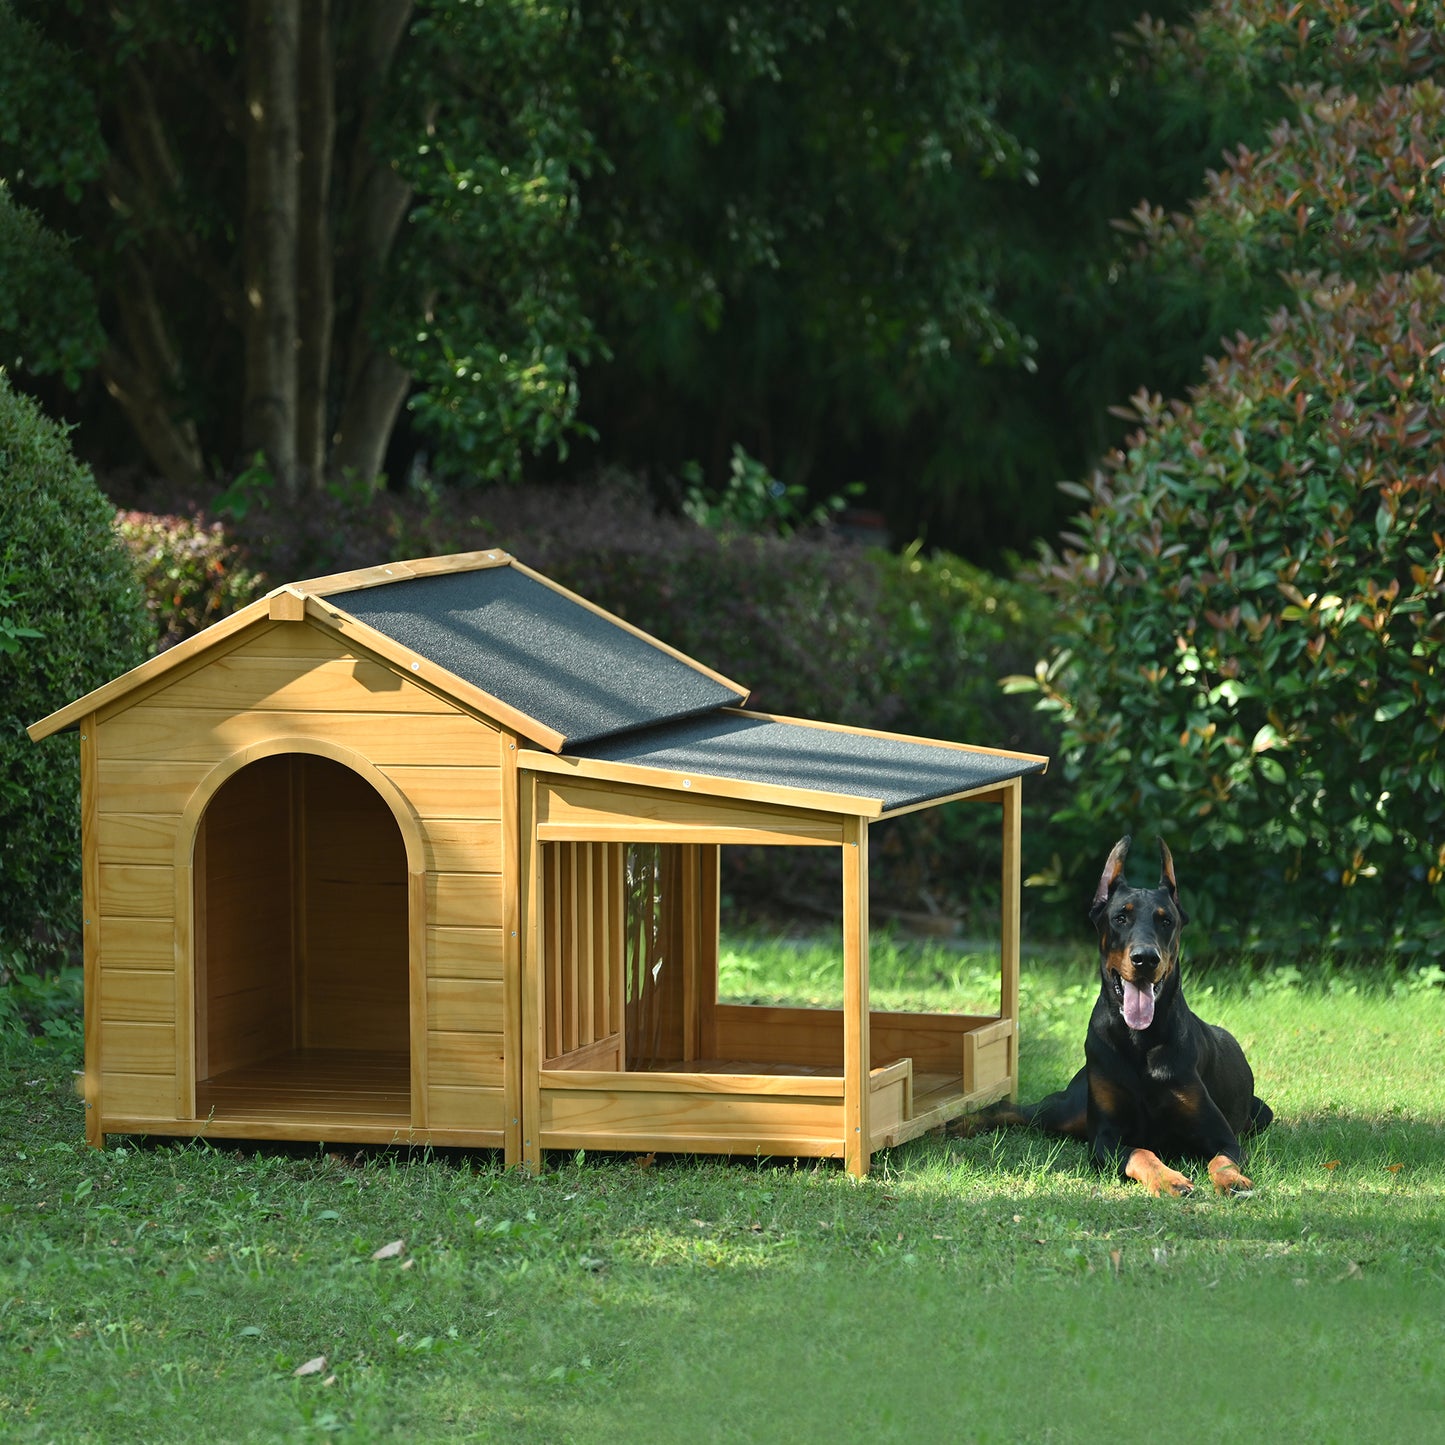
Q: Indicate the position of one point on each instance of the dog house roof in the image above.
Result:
(507, 643)
(490, 633)
(542, 650)
(892, 773)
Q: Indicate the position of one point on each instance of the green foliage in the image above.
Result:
(492, 241)
(71, 618)
(753, 500)
(190, 570)
(1257, 593)
(48, 318)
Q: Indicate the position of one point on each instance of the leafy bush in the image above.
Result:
(71, 618)
(1257, 598)
(190, 570)
(815, 627)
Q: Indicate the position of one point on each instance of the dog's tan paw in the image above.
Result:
(1226, 1177)
(1147, 1168)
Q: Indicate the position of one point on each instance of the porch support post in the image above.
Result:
(1010, 925)
(530, 915)
(857, 1133)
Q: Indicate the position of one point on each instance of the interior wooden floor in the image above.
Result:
(313, 1086)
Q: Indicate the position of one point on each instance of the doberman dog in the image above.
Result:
(1156, 1079)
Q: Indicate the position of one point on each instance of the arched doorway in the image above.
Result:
(301, 949)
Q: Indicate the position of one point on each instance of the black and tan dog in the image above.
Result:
(1156, 1080)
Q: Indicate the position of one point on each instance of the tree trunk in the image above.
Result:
(377, 203)
(316, 298)
(269, 423)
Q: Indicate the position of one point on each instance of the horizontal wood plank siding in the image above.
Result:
(296, 681)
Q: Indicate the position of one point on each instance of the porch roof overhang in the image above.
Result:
(792, 762)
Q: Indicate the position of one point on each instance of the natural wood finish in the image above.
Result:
(586, 808)
(1011, 907)
(153, 671)
(988, 1056)
(450, 792)
(434, 676)
(604, 1053)
(132, 1048)
(454, 952)
(464, 1005)
(130, 1095)
(202, 732)
(857, 1131)
(366, 577)
(92, 957)
(287, 605)
(318, 1086)
(533, 969)
(465, 899)
(135, 838)
(417, 1021)
(790, 815)
(652, 1117)
(140, 943)
(465, 1060)
(138, 996)
(474, 1109)
(511, 850)
(245, 897)
(258, 675)
(139, 891)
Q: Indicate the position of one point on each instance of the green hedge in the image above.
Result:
(71, 618)
(814, 626)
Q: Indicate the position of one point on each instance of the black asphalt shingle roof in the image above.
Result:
(898, 772)
(539, 650)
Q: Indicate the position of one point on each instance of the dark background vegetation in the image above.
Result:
(835, 344)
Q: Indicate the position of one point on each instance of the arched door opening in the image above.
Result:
(300, 947)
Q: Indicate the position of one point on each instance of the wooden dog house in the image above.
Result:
(430, 852)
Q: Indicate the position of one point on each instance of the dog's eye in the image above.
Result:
(1164, 923)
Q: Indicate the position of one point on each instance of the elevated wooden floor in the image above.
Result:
(357, 1088)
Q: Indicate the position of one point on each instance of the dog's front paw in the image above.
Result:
(1225, 1175)
(1148, 1169)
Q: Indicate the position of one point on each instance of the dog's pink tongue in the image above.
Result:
(1138, 1005)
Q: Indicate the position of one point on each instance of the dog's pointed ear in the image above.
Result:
(1112, 874)
(1166, 878)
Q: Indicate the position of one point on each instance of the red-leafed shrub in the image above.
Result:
(190, 569)
(1257, 591)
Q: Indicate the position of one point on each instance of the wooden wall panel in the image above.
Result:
(139, 1096)
(463, 845)
(138, 891)
(465, 1108)
(451, 792)
(465, 900)
(245, 983)
(464, 1005)
(136, 838)
(137, 1048)
(139, 943)
(353, 971)
(467, 1060)
(155, 788)
(465, 952)
(656, 1115)
(138, 996)
(163, 734)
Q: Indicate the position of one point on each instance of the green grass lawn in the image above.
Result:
(989, 1289)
